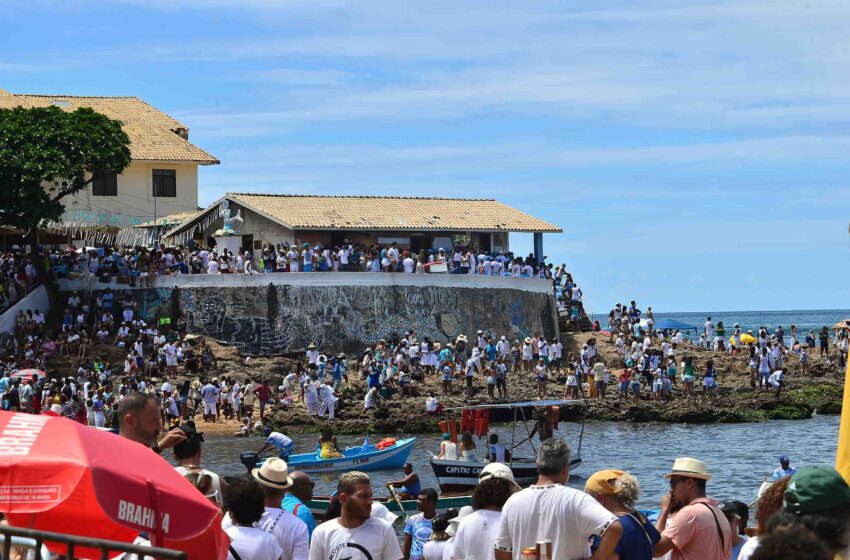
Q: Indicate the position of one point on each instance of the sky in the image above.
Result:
(694, 153)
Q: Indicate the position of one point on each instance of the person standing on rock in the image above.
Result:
(311, 397)
(210, 394)
(328, 399)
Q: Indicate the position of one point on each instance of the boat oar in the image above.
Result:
(398, 501)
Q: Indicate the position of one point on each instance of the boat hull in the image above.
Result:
(462, 476)
(355, 460)
(319, 505)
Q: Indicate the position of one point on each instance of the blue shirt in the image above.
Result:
(419, 529)
(639, 538)
(781, 473)
(295, 506)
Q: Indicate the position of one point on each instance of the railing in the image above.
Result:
(35, 541)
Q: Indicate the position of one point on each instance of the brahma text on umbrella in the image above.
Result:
(20, 433)
(140, 515)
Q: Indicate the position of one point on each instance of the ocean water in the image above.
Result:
(805, 320)
(738, 455)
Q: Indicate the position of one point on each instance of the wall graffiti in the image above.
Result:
(347, 318)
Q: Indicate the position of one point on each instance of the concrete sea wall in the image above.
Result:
(340, 312)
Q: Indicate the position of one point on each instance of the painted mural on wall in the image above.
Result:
(278, 319)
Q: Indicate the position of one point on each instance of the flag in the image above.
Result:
(842, 458)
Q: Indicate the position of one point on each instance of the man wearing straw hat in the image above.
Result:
(698, 530)
(289, 531)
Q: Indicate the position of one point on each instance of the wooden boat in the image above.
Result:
(319, 504)
(356, 458)
(462, 476)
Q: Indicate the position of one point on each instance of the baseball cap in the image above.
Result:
(816, 489)
(784, 459)
(496, 470)
(601, 482)
(728, 508)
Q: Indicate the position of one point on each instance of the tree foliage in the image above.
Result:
(47, 154)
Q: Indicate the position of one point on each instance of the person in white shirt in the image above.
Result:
(355, 529)
(212, 267)
(244, 504)
(408, 263)
(288, 531)
(550, 510)
(477, 532)
(171, 358)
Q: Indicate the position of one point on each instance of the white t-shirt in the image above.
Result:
(475, 536)
(288, 531)
(374, 539)
(212, 267)
(566, 516)
(433, 550)
(749, 548)
(251, 543)
(408, 264)
(279, 440)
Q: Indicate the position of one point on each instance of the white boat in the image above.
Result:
(462, 476)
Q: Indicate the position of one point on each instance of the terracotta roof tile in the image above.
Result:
(392, 213)
(152, 133)
(171, 220)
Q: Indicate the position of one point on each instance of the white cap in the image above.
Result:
(380, 511)
(496, 470)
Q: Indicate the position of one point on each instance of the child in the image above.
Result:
(447, 378)
(491, 382)
(625, 374)
(635, 383)
(708, 381)
(540, 373)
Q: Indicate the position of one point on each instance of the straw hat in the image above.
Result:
(311, 346)
(274, 473)
(528, 340)
(461, 338)
(689, 467)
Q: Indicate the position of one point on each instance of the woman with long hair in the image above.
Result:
(466, 450)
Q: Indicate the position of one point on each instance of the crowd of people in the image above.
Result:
(142, 263)
(17, 277)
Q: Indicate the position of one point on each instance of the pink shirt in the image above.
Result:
(694, 533)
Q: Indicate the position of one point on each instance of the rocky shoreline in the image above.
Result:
(819, 393)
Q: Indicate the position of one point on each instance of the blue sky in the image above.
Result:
(695, 153)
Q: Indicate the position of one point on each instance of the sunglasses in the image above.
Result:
(675, 481)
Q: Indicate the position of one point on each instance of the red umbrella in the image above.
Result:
(28, 374)
(58, 475)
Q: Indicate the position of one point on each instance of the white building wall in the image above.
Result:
(135, 202)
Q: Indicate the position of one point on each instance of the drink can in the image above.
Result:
(529, 553)
(544, 549)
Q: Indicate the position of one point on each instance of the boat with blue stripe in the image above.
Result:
(365, 457)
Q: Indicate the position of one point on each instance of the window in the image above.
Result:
(164, 182)
(105, 184)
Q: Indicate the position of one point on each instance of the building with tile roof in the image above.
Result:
(415, 222)
(162, 177)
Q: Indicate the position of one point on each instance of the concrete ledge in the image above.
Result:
(306, 279)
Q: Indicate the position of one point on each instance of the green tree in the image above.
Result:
(47, 154)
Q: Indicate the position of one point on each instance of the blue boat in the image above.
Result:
(357, 458)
